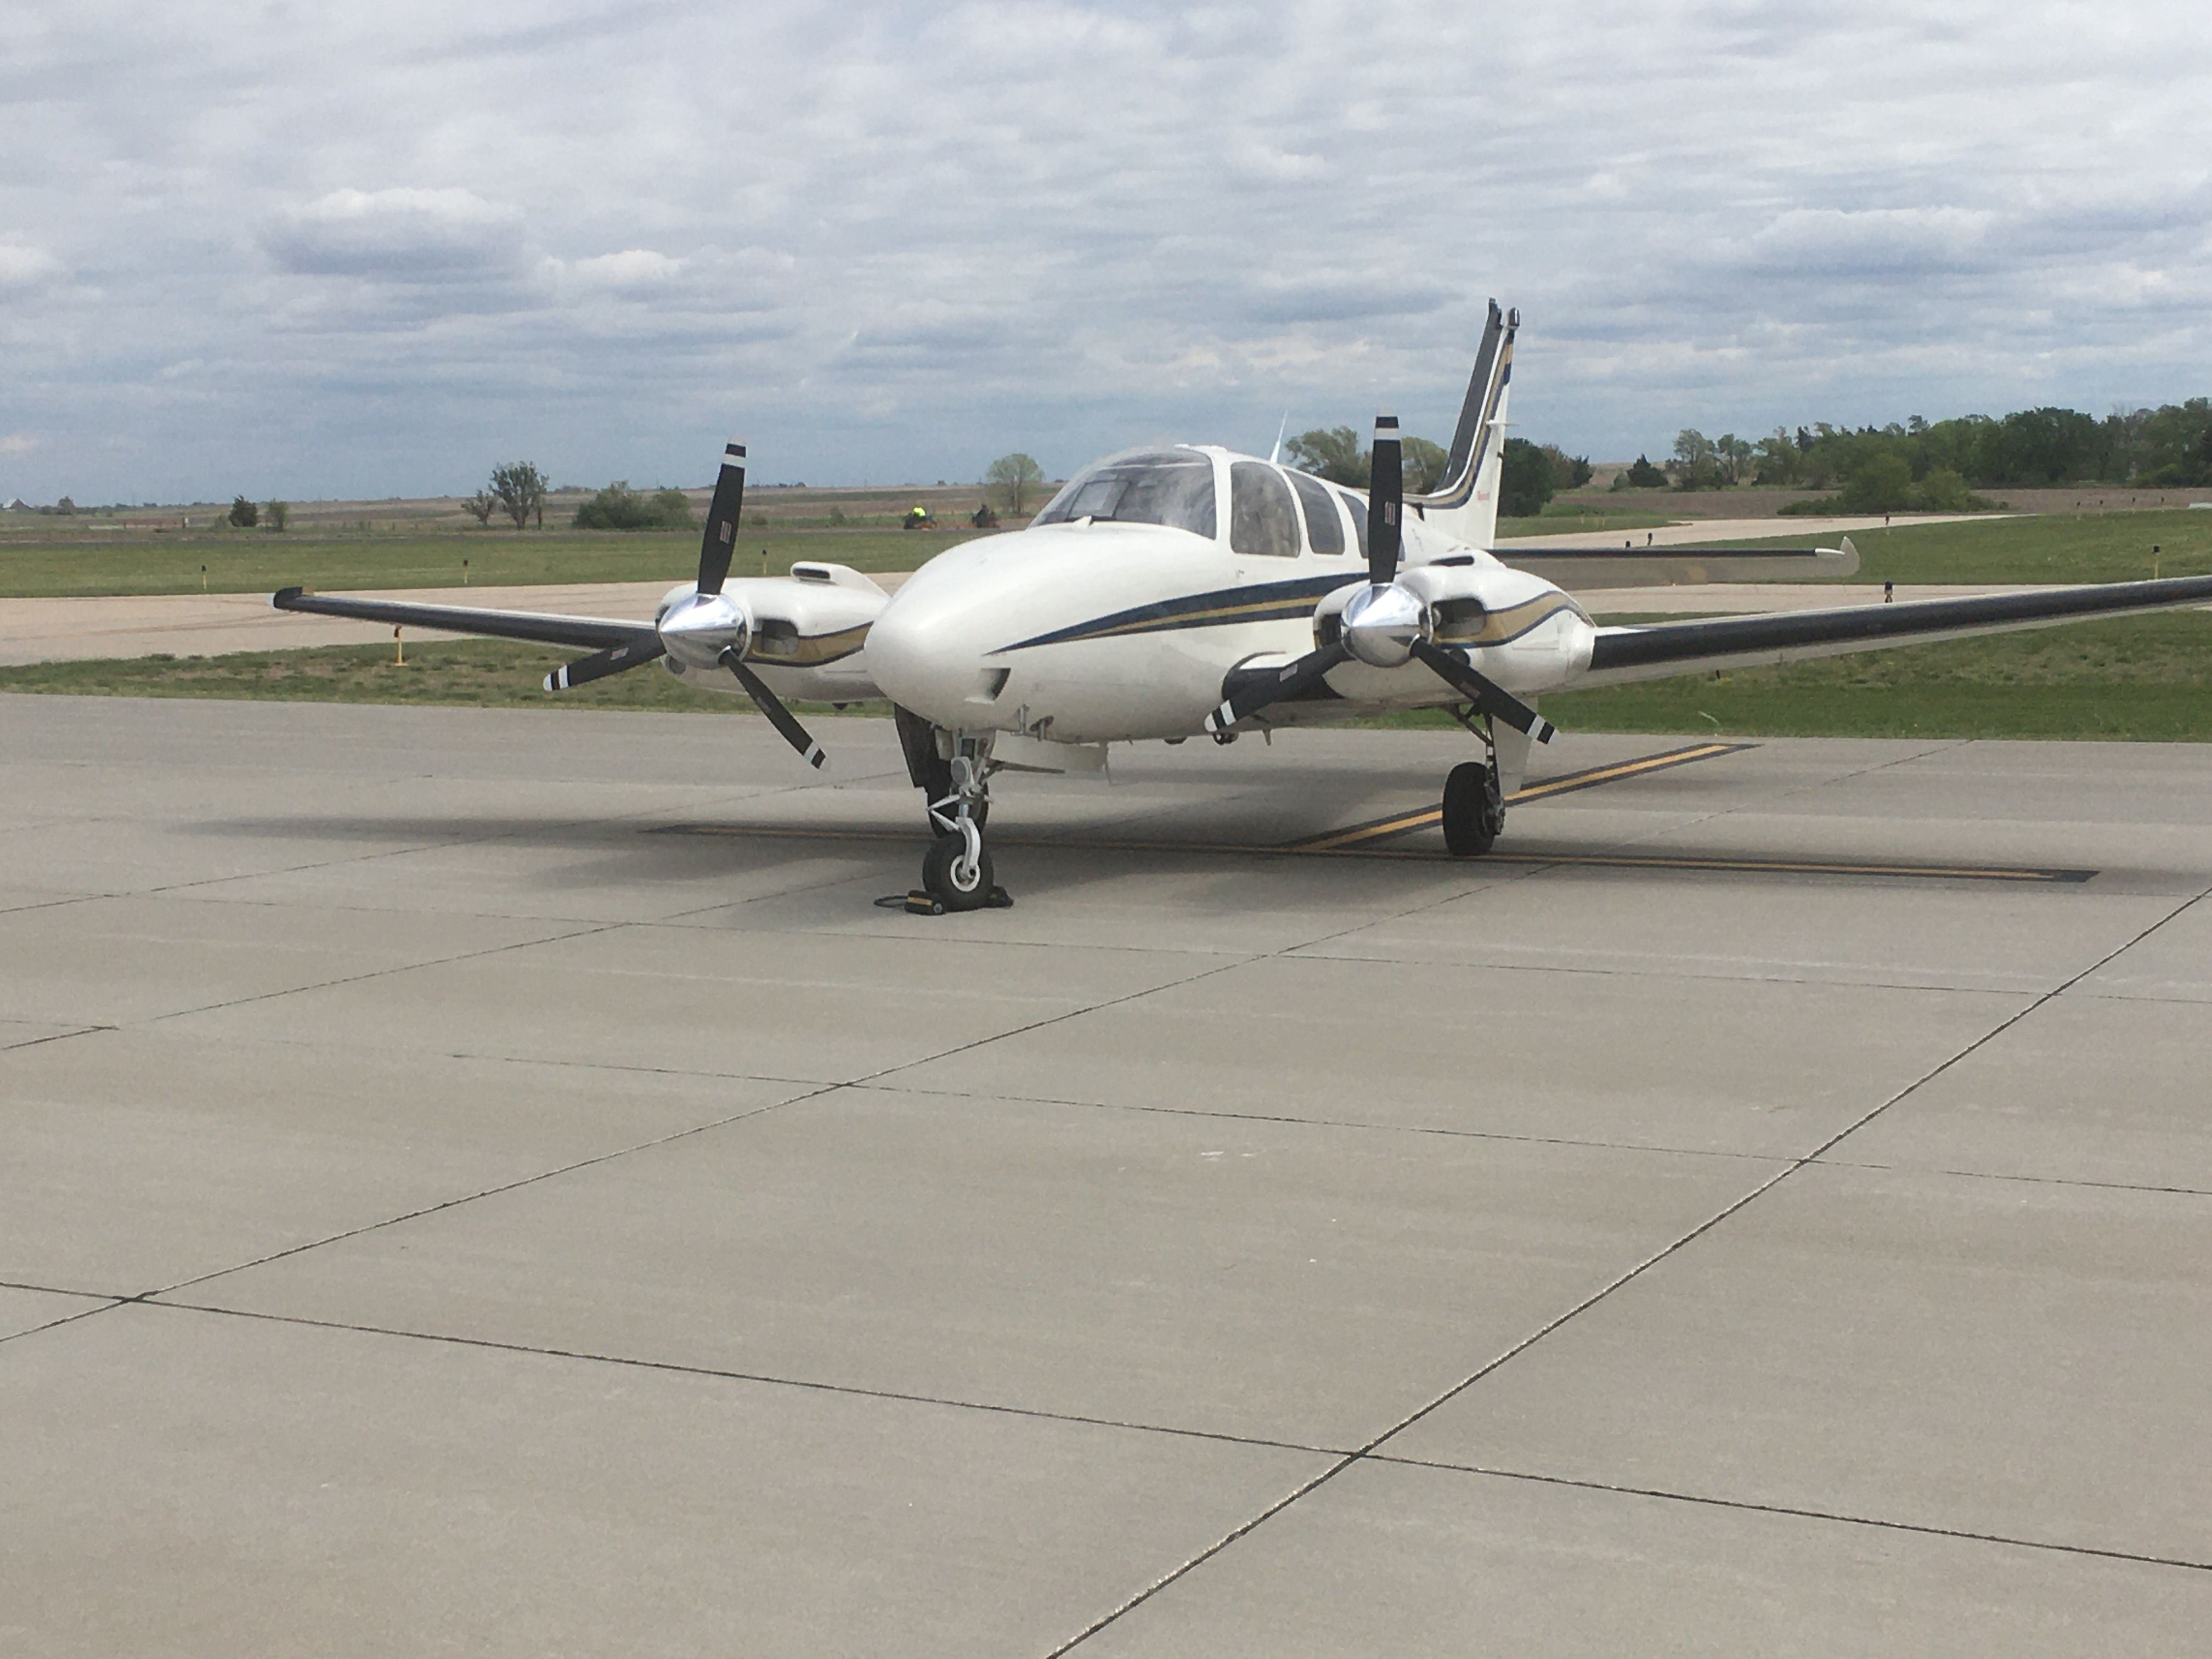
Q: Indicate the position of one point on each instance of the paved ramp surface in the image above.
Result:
(497, 1182)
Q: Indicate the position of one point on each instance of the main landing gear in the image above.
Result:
(1475, 797)
(956, 875)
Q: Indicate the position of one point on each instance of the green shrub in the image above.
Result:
(620, 508)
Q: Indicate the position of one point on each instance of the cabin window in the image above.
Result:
(1261, 520)
(1170, 487)
(1358, 521)
(1324, 529)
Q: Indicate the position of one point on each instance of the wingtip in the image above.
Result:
(282, 597)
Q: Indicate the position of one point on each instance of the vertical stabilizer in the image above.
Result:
(1465, 505)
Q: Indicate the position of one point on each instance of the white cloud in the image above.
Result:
(397, 235)
(23, 267)
(633, 269)
(893, 241)
(19, 443)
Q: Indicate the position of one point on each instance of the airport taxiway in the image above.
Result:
(497, 1181)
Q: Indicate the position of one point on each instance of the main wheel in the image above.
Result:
(946, 879)
(1474, 809)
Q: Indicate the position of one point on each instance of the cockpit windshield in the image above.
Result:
(1170, 487)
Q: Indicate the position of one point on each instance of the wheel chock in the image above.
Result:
(919, 903)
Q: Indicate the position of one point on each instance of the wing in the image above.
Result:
(1585, 569)
(595, 632)
(1639, 653)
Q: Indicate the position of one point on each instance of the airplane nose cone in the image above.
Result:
(930, 653)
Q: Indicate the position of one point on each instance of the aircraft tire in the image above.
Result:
(940, 881)
(1474, 809)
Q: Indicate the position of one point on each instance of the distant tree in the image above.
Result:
(244, 516)
(672, 510)
(1642, 474)
(620, 508)
(1424, 463)
(1734, 455)
(1697, 463)
(481, 506)
(1332, 453)
(67, 508)
(1945, 491)
(1526, 481)
(1777, 460)
(1882, 483)
(1015, 477)
(278, 513)
(1568, 471)
(520, 489)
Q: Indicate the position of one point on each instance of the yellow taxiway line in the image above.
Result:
(1429, 816)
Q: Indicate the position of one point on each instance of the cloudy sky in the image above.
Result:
(311, 250)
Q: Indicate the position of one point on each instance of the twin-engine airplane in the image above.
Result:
(1166, 593)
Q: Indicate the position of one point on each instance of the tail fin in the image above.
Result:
(1465, 505)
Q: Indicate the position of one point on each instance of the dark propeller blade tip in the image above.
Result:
(1385, 489)
(720, 535)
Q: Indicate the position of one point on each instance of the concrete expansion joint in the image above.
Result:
(766, 1379)
(1747, 1505)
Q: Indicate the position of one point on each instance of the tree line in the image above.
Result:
(1532, 475)
(1936, 465)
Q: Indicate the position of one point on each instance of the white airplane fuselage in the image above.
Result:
(1097, 631)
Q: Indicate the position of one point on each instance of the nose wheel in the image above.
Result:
(956, 873)
(1475, 809)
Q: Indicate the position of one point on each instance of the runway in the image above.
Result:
(496, 1181)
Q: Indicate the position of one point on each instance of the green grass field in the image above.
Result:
(2145, 677)
(2090, 547)
(255, 561)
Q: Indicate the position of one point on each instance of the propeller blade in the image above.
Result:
(772, 706)
(1493, 699)
(600, 664)
(1386, 502)
(721, 533)
(1291, 679)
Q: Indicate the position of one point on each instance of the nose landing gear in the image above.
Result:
(955, 875)
(1475, 809)
(1474, 794)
